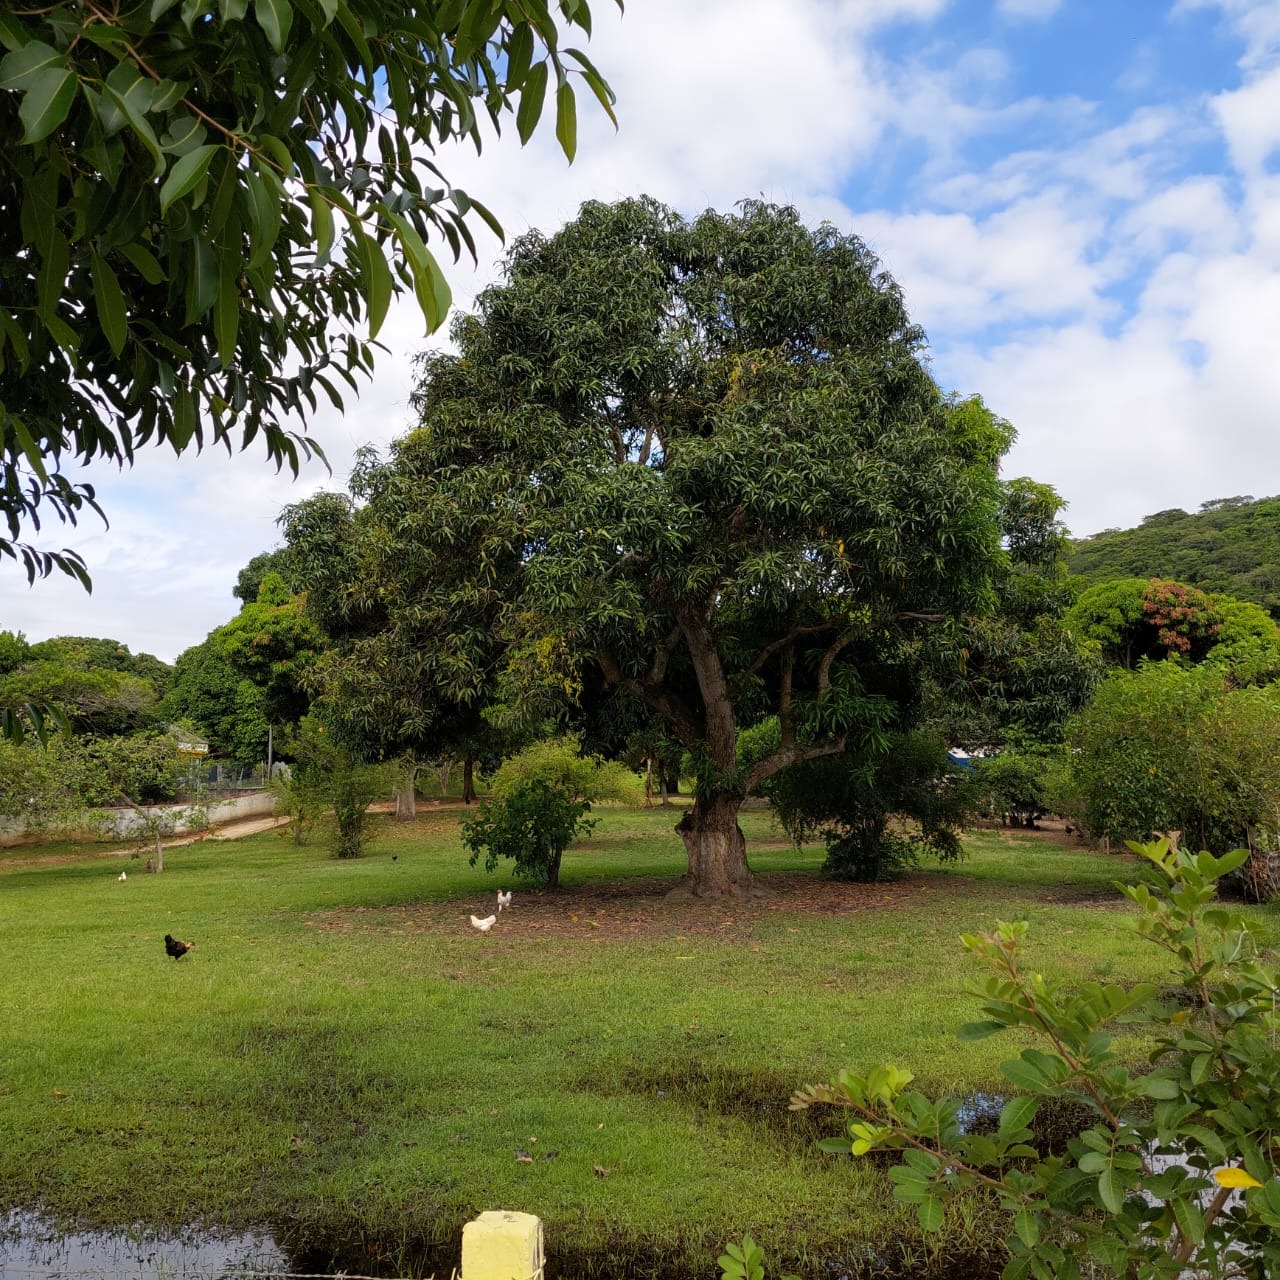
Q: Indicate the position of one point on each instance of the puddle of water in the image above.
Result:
(31, 1249)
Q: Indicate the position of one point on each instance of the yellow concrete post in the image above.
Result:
(502, 1245)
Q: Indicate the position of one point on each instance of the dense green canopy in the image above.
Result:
(1230, 545)
(697, 466)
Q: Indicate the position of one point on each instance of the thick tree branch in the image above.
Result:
(647, 446)
(786, 718)
(794, 634)
(831, 654)
(721, 728)
(657, 699)
(658, 672)
(789, 754)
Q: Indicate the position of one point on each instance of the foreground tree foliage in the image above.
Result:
(1175, 1173)
(698, 467)
(206, 208)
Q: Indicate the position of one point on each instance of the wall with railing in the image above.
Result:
(123, 824)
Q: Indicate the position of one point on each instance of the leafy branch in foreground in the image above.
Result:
(206, 208)
(1177, 1173)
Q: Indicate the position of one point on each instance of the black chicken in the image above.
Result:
(174, 948)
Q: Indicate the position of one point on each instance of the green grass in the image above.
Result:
(344, 1053)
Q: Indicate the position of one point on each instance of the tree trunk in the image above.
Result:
(716, 847)
(468, 780)
(648, 782)
(406, 801)
(670, 781)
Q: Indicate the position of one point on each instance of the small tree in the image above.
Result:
(559, 762)
(300, 797)
(852, 800)
(326, 766)
(1147, 1189)
(532, 824)
(354, 784)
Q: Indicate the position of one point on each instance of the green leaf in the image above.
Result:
(109, 300)
(321, 222)
(262, 215)
(931, 1214)
(519, 54)
(279, 152)
(1190, 1220)
(429, 284)
(185, 420)
(143, 260)
(233, 10)
(46, 103)
(1161, 1088)
(28, 446)
(597, 83)
(1110, 1190)
(533, 94)
(53, 275)
(1018, 1113)
(132, 94)
(1027, 1227)
(226, 314)
(275, 18)
(19, 69)
(202, 285)
(186, 174)
(1023, 1074)
(13, 35)
(376, 275)
(567, 120)
(978, 1030)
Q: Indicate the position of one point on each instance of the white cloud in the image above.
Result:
(963, 274)
(1250, 120)
(1256, 22)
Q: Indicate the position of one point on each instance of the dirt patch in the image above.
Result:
(637, 909)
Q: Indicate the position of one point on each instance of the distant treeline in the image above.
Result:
(1230, 545)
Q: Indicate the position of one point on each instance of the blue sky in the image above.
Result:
(1081, 201)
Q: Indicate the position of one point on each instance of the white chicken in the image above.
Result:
(504, 899)
(122, 876)
(483, 925)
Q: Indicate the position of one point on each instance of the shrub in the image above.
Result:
(852, 799)
(1170, 748)
(531, 823)
(1013, 787)
(559, 762)
(1146, 1190)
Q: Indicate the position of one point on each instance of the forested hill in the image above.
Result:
(1230, 544)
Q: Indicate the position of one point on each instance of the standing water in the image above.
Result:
(31, 1249)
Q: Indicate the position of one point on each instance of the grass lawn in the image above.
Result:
(342, 1057)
